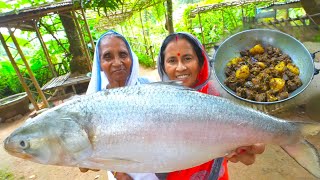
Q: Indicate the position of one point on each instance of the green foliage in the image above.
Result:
(40, 68)
(9, 83)
(145, 60)
(4, 6)
(20, 40)
(157, 12)
(98, 5)
(317, 37)
(186, 26)
(217, 24)
(145, 36)
(5, 174)
(188, 1)
(7, 6)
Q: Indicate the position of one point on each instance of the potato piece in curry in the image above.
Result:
(262, 74)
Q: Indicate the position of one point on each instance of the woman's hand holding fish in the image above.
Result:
(87, 169)
(121, 176)
(246, 154)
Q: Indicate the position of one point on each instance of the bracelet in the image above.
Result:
(114, 173)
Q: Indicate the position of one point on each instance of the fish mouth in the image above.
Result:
(12, 149)
(18, 154)
(7, 145)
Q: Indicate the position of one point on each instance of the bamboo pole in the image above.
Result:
(52, 34)
(82, 40)
(88, 30)
(16, 68)
(45, 50)
(144, 37)
(33, 79)
(203, 43)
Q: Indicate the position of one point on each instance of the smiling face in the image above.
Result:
(181, 62)
(115, 60)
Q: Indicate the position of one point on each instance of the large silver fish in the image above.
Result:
(153, 128)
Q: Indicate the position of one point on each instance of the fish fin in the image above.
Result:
(75, 139)
(306, 155)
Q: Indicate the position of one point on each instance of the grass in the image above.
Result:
(6, 175)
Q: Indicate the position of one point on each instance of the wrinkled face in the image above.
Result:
(181, 62)
(115, 59)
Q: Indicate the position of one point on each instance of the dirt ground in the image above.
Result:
(274, 163)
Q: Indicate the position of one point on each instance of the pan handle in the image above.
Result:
(313, 55)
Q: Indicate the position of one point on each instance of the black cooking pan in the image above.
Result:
(232, 46)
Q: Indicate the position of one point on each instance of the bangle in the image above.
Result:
(114, 173)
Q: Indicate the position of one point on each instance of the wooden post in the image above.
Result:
(242, 14)
(152, 56)
(88, 30)
(16, 68)
(33, 79)
(82, 40)
(170, 17)
(145, 40)
(45, 50)
(203, 43)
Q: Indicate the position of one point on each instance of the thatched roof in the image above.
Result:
(126, 10)
(284, 5)
(206, 8)
(24, 18)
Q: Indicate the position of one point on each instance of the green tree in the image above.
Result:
(312, 7)
(78, 63)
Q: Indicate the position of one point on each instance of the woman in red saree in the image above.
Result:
(183, 58)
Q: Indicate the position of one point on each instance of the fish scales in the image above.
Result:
(137, 107)
(149, 128)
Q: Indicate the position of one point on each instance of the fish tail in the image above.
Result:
(305, 153)
(308, 128)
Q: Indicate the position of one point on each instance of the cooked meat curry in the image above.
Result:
(262, 74)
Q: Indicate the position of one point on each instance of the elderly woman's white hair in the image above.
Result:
(99, 80)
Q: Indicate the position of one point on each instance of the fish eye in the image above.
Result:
(23, 144)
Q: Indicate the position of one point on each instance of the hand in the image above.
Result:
(121, 176)
(87, 169)
(246, 154)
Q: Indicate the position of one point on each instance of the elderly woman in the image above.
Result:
(115, 65)
(183, 58)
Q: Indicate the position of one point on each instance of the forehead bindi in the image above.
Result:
(179, 48)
